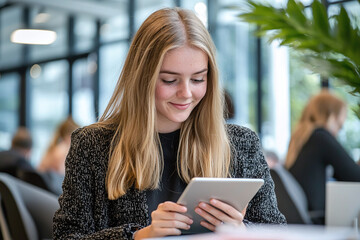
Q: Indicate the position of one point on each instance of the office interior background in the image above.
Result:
(40, 85)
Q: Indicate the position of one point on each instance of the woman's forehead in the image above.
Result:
(184, 58)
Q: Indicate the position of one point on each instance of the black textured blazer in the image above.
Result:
(86, 212)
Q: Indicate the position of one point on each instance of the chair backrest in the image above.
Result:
(29, 210)
(291, 198)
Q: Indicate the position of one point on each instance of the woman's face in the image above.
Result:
(180, 86)
(335, 123)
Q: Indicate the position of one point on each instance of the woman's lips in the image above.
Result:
(181, 106)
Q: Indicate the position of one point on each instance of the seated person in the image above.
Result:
(313, 147)
(54, 158)
(19, 154)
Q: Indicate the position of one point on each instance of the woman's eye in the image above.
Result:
(198, 80)
(168, 81)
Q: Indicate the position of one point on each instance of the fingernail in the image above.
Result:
(197, 210)
(202, 205)
(213, 201)
(187, 226)
(184, 209)
(190, 221)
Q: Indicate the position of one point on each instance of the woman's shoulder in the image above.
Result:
(320, 134)
(243, 139)
(92, 135)
(322, 137)
(248, 160)
(241, 133)
(321, 130)
(90, 144)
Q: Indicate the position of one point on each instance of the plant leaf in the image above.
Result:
(332, 51)
(320, 19)
(296, 12)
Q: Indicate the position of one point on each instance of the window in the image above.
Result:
(116, 28)
(83, 94)
(350, 132)
(58, 22)
(199, 7)
(48, 96)
(9, 106)
(10, 53)
(112, 58)
(235, 47)
(85, 33)
(144, 8)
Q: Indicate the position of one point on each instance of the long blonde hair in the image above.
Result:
(315, 114)
(135, 154)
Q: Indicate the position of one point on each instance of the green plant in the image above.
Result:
(330, 46)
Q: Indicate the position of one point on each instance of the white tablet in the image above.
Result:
(237, 192)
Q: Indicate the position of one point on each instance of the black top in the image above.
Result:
(321, 150)
(171, 185)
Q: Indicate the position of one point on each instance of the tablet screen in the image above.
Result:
(237, 192)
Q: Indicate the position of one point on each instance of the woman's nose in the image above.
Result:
(184, 90)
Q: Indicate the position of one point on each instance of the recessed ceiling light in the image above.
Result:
(33, 36)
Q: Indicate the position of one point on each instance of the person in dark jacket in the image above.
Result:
(163, 126)
(19, 154)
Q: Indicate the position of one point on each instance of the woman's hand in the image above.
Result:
(166, 220)
(217, 213)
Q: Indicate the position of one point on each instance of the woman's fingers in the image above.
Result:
(171, 211)
(208, 225)
(170, 224)
(161, 232)
(229, 210)
(205, 212)
(171, 206)
(168, 216)
(218, 212)
(167, 219)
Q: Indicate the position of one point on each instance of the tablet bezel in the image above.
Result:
(223, 189)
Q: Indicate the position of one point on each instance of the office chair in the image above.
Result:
(27, 210)
(292, 201)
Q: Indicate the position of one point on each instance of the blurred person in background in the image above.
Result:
(271, 158)
(55, 155)
(313, 147)
(19, 154)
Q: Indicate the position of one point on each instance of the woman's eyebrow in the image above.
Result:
(176, 73)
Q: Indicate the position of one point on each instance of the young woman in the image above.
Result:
(163, 126)
(313, 147)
